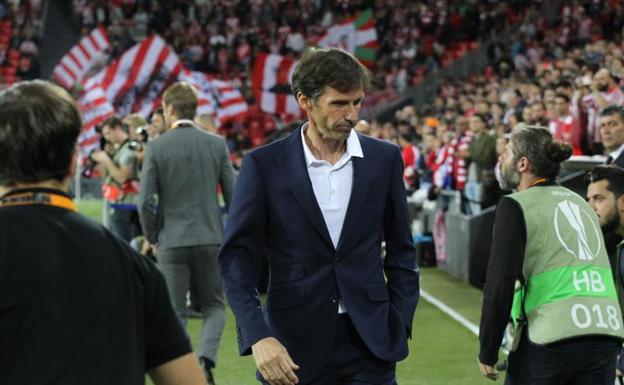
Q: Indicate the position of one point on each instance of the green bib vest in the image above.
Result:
(568, 288)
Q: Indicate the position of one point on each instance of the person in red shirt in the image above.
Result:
(566, 127)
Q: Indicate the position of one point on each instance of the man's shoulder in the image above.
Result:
(271, 149)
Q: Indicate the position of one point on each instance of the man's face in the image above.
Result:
(461, 125)
(602, 78)
(476, 124)
(561, 106)
(157, 126)
(335, 113)
(537, 111)
(604, 204)
(612, 131)
(527, 115)
(112, 135)
(549, 95)
(510, 177)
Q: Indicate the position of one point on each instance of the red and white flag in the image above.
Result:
(87, 55)
(271, 84)
(95, 109)
(135, 82)
(216, 97)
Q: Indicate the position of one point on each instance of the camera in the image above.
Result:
(142, 138)
(90, 165)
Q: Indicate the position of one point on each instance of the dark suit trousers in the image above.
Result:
(578, 361)
(182, 266)
(351, 362)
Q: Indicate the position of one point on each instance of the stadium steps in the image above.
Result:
(60, 33)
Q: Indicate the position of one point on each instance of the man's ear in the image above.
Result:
(522, 165)
(620, 205)
(170, 110)
(304, 102)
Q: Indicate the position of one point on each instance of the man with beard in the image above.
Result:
(565, 311)
(605, 194)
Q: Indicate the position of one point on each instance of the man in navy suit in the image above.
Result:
(319, 203)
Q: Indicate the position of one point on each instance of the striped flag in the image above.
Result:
(91, 51)
(95, 109)
(356, 35)
(271, 84)
(216, 97)
(135, 82)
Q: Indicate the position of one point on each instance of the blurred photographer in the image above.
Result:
(137, 129)
(121, 185)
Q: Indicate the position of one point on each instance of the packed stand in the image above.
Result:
(21, 27)
(222, 38)
(560, 77)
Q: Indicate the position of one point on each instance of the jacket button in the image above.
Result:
(334, 298)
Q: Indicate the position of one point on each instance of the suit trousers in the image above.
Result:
(197, 264)
(351, 362)
(578, 361)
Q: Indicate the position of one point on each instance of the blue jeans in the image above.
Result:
(578, 361)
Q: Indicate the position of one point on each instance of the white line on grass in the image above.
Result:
(450, 312)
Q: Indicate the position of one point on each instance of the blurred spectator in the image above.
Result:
(459, 152)
(612, 132)
(482, 156)
(206, 123)
(564, 126)
(604, 92)
(157, 124)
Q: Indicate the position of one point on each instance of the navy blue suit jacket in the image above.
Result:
(274, 212)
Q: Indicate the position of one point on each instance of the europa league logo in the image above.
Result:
(571, 219)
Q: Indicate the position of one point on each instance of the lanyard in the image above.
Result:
(38, 198)
(537, 181)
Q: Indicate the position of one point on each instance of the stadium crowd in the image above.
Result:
(561, 78)
(223, 37)
(21, 27)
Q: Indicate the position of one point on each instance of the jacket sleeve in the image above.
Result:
(504, 268)
(241, 254)
(226, 177)
(148, 197)
(400, 263)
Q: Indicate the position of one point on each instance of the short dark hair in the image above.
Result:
(39, 127)
(614, 176)
(613, 109)
(183, 97)
(537, 145)
(114, 122)
(330, 67)
(563, 96)
(158, 111)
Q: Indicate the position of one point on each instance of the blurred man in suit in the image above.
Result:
(180, 213)
(612, 133)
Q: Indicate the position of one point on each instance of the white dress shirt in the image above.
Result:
(332, 185)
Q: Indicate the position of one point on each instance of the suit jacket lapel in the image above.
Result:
(293, 167)
(361, 184)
